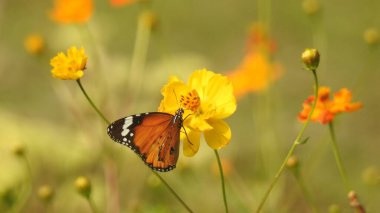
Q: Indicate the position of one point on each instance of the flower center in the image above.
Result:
(190, 101)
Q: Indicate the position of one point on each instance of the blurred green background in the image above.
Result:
(63, 138)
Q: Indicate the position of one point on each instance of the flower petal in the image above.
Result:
(198, 122)
(190, 148)
(171, 92)
(219, 136)
(215, 92)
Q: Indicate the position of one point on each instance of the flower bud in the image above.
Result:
(83, 186)
(292, 162)
(45, 193)
(371, 36)
(310, 57)
(334, 208)
(149, 19)
(18, 149)
(371, 176)
(311, 7)
(34, 44)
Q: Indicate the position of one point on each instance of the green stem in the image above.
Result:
(338, 158)
(108, 122)
(92, 103)
(222, 179)
(172, 191)
(92, 205)
(293, 147)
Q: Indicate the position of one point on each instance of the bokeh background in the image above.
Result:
(50, 135)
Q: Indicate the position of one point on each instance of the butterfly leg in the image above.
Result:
(186, 135)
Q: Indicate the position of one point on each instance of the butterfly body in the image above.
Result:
(154, 136)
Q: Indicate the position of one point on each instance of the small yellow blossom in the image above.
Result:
(72, 11)
(207, 99)
(70, 66)
(34, 43)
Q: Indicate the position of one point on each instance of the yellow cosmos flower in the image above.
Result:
(34, 44)
(70, 66)
(72, 11)
(207, 99)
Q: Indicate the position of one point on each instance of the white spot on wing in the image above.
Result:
(125, 132)
(127, 123)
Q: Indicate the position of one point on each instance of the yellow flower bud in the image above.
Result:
(371, 176)
(34, 44)
(45, 193)
(292, 162)
(149, 19)
(334, 208)
(310, 57)
(311, 7)
(83, 186)
(18, 149)
(371, 36)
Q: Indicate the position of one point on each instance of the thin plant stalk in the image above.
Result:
(222, 180)
(296, 142)
(173, 192)
(108, 122)
(92, 205)
(338, 158)
(92, 103)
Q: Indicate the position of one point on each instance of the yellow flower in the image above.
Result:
(72, 11)
(34, 44)
(69, 67)
(207, 99)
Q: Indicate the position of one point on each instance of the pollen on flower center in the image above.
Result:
(191, 100)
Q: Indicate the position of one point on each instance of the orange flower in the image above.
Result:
(326, 109)
(119, 3)
(72, 11)
(259, 40)
(254, 74)
(256, 71)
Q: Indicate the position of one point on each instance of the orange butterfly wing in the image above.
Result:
(154, 136)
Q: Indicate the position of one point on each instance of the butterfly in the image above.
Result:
(154, 136)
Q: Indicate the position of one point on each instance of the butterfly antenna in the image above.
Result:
(176, 98)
